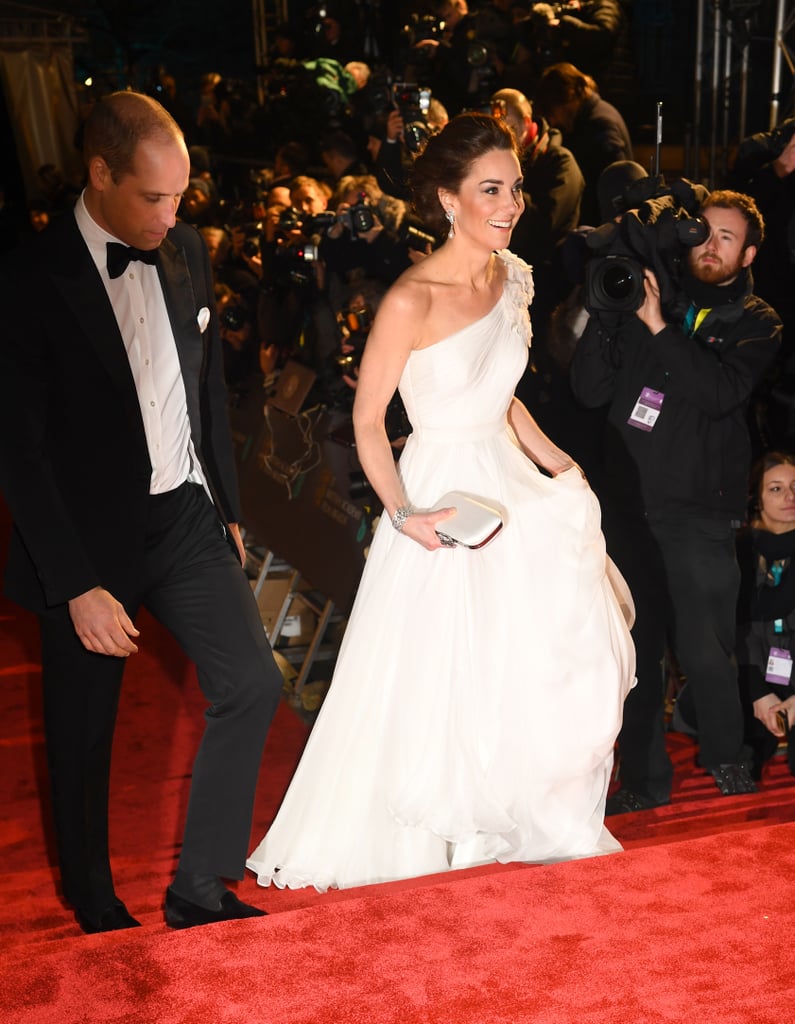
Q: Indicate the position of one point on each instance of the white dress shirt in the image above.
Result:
(140, 308)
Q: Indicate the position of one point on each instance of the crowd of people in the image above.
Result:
(391, 229)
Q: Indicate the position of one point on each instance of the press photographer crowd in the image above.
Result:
(663, 321)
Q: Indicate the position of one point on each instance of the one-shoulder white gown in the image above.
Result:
(477, 694)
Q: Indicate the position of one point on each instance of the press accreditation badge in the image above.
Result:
(647, 409)
(779, 666)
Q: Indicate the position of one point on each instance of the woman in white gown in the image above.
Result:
(477, 693)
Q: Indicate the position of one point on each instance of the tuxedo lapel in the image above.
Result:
(183, 308)
(75, 276)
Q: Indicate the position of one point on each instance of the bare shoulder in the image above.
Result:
(410, 295)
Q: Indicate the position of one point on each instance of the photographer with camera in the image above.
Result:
(463, 57)
(355, 319)
(366, 233)
(592, 128)
(293, 311)
(765, 169)
(415, 116)
(553, 185)
(676, 375)
(239, 341)
(552, 181)
(591, 34)
(340, 156)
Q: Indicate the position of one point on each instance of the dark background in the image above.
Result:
(129, 42)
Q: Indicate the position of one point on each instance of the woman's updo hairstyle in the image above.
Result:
(447, 159)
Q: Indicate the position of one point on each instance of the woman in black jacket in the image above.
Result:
(766, 609)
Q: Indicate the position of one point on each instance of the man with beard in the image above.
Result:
(677, 455)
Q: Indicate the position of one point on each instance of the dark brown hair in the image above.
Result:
(757, 477)
(118, 122)
(447, 159)
(726, 199)
(559, 84)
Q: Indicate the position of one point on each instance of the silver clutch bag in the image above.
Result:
(476, 522)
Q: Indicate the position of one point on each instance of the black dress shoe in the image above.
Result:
(733, 779)
(625, 801)
(182, 913)
(112, 919)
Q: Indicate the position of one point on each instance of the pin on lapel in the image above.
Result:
(203, 318)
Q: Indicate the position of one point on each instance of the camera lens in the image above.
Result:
(415, 136)
(613, 284)
(618, 281)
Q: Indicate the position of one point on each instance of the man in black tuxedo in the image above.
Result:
(116, 462)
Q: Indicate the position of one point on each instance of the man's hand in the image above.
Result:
(650, 311)
(394, 126)
(102, 624)
(234, 529)
(765, 709)
(416, 255)
(784, 164)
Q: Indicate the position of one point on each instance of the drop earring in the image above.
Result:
(451, 220)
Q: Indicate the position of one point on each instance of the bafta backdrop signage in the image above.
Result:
(295, 483)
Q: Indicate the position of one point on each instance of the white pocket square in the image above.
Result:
(203, 318)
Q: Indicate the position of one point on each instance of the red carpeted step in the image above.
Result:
(692, 930)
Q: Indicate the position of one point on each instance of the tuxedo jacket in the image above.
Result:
(74, 463)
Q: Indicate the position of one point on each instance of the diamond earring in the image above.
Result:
(451, 220)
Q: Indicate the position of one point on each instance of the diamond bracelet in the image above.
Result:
(400, 517)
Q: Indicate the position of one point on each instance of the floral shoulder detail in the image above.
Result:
(519, 287)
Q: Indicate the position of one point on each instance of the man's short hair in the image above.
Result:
(341, 143)
(305, 182)
(561, 83)
(727, 199)
(118, 122)
(515, 101)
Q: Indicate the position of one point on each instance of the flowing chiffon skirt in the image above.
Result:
(477, 695)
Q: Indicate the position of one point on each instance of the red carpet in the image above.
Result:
(694, 922)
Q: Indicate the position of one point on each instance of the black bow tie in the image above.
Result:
(120, 255)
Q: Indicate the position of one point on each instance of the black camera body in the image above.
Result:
(252, 232)
(777, 138)
(355, 324)
(317, 223)
(291, 219)
(655, 233)
(413, 102)
(359, 218)
(234, 318)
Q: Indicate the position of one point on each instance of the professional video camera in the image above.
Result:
(413, 102)
(660, 224)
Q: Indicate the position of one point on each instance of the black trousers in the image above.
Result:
(192, 582)
(684, 577)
